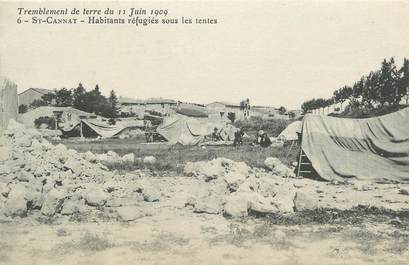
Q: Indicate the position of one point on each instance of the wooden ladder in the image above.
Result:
(304, 164)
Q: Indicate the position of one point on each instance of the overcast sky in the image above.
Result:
(275, 53)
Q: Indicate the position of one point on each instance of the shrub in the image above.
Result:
(49, 121)
(272, 126)
(22, 108)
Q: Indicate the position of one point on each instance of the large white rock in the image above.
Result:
(16, 204)
(53, 202)
(128, 158)
(129, 213)
(95, 197)
(263, 205)
(5, 153)
(208, 204)
(149, 160)
(278, 168)
(90, 157)
(150, 193)
(305, 201)
(237, 204)
(72, 206)
(272, 162)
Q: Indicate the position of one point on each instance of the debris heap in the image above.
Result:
(235, 189)
(38, 176)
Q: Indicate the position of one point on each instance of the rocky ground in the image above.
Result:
(61, 206)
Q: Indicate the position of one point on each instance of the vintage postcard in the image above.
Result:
(204, 132)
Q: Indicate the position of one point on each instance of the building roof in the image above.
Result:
(160, 101)
(39, 90)
(227, 104)
(124, 100)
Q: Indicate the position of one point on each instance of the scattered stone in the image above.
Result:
(210, 205)
(149, 192)
(396, 221)
(53, 202)
(279, 235)
(404, 191)
(71, 206)
(237, 205)
(95, 197)
(16, 204)
(128, 158)
(303, 201)
(129, 213)
(278, 168)
(149, 160)
(90, 157)
(5, 153)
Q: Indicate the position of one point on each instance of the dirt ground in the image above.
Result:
(171, 233)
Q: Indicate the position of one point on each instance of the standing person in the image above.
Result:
(238, 137)
(148, 131)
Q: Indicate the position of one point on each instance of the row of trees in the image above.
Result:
(384, 87)
(90, 101)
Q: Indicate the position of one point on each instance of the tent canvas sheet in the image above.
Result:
(103, 130)
(374, 149)
(187, 131)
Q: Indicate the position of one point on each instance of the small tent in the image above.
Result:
(291, 132)
(103, 130)
(189, 131)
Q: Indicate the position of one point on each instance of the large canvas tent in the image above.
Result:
(191, 131)
(375, 149)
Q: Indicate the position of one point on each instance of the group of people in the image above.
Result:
(262, 138)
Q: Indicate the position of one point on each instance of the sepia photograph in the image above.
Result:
(204, 132)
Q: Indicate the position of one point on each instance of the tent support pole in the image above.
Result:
(299, 163)
(291, 147)
(81, 130)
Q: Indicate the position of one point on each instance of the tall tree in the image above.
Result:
(48, 98)
(114, 104)
(388, 89)
(63, 97)
(404, 80)
(97, 103)
(370, 94)
(78, 96)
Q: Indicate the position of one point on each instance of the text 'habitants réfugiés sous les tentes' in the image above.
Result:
(109, 16)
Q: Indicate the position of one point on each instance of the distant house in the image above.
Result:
(138, 107)
(130, 106)
(161, 105)
(28, 96)
(223, 108)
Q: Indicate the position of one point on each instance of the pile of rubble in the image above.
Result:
(111, 157)
(36, 176)
(234, 189)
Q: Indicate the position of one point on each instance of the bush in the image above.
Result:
(111, 121)
(231, 116)
(273, 127)
(22, 108)
(49, 121)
